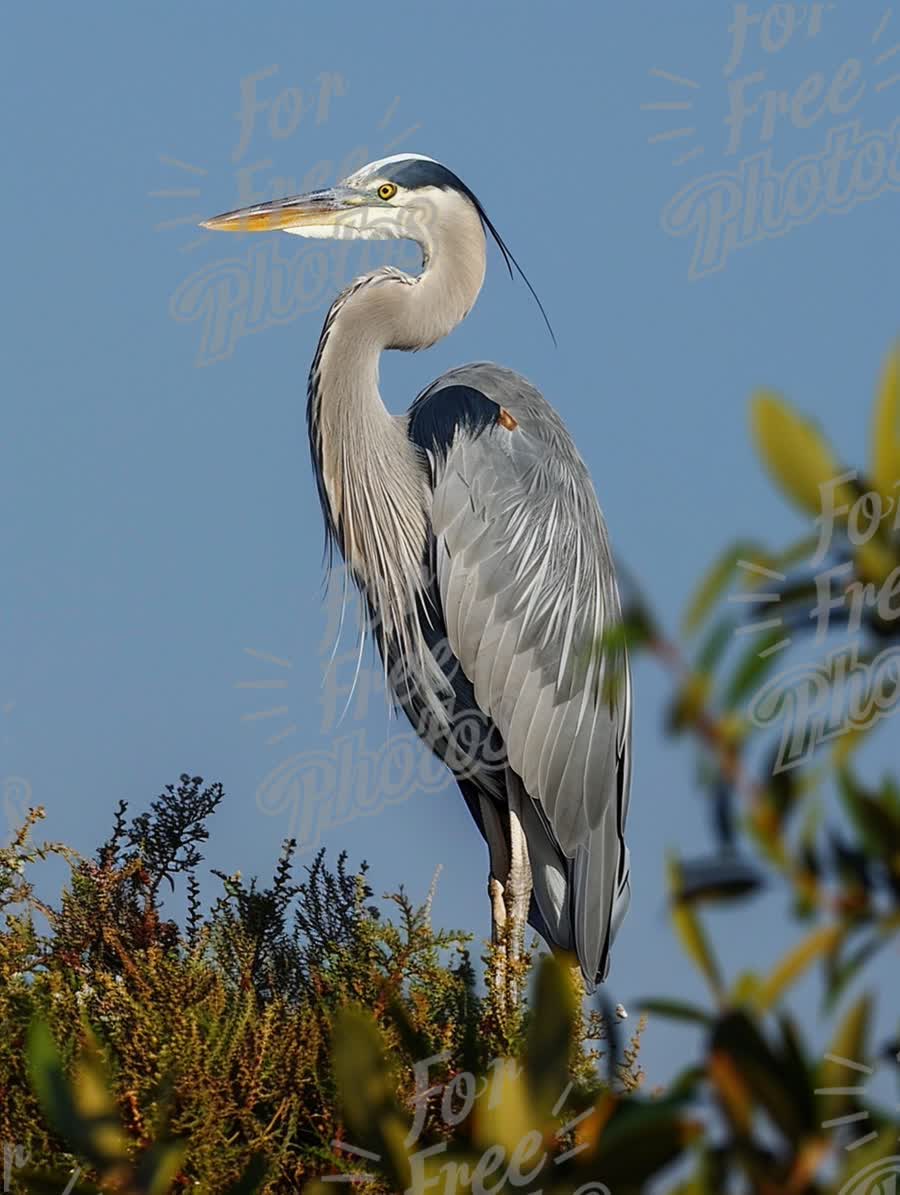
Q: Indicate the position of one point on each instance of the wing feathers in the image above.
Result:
(528, 590)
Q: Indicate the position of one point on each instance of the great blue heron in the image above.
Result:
(473, 532)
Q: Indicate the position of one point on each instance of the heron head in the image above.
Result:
(407, 196)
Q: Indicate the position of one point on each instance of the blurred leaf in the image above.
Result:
(805, 876)
(366, 1092)
(550, 1034)
(714, 645)
(761, 1070)
(734, 729)
(764, 826)
(849, 740)
(805, 868)
(504, 1115)
(95, 1104)
(874, 561)
(795, 453)
(782, 786)
(797, 1073)
(889, 795)
(723, 813)
(755, 661)
(872, 1168)
(721, 878)
(158, 1166)
(590, 1128)
(639, 1140)
(82, 1112)
(841, 970)
(854, 870)
(688, 702)
(687, 1083)
(631, 632)
(886, 430)
(690, 932)
(877, 823)
(676, 1010)
(793, 964)
(797, 592)
(733, 1090)
(718, 578)
(745, 990)
(840, 1069)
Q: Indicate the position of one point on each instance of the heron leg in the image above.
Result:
(518, 884)
(496, 891)
(497, 880)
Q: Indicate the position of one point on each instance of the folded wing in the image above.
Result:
(528, 596)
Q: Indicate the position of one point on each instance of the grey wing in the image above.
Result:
(527, 587)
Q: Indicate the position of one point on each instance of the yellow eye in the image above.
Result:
(387, 191)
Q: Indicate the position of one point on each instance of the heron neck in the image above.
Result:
(454, 262)
(371, 482)
(367, 469)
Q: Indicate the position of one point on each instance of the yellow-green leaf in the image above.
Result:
(846, 1055)
(719, 577)
(504, 1115)
(159, 1166)
(745, 989)
(872, 1167)
(689, 701)
(81, 1110)
(874, 561)
(733, 1090)
(549, 1042)
(886, 430)
(691, 933)
(795, 453)
(848, 741)
(366, 1090)
(786, 973)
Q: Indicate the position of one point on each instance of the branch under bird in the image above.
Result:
(473, 532)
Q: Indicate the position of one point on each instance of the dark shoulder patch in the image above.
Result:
(435, 416)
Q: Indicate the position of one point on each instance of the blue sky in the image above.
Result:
(161, 542)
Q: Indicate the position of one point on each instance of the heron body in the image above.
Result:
(472, 529)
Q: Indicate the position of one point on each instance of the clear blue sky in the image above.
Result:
(159, 516)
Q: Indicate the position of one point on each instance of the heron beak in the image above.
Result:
(316, 208)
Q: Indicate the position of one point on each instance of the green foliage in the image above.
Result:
(141, 1056)
(527, 1126)
(795, 1120)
